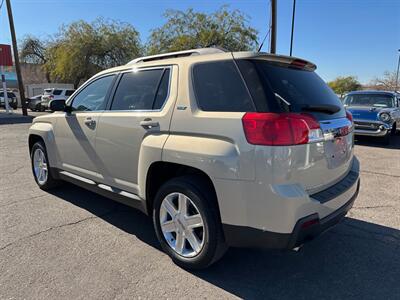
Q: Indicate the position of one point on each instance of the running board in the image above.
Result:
(107, 191)
(77, 177)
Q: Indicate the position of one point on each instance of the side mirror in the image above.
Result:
(57, 105)
(68, 109)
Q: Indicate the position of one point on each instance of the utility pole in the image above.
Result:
(397, 74)
(16, 58)
(273, 26)
(291, 37)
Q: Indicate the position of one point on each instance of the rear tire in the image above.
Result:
(41, 168)
(209, 242)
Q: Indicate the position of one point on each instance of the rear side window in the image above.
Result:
(142, 90)
(69, 92)
(281, 88)
(219, 87)
(57, 92)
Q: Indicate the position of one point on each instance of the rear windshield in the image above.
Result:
(279, 87)
(48, 91)
(377, 100)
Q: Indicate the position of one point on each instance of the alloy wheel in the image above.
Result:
(182, 225)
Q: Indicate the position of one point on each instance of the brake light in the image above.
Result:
(281, 129)
(298, 63)
(349, 116)
(51, 97)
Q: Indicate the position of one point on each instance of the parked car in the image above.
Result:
(220, 148)
(375, 113)
(12, 100)
(35, 103)
(55, 94)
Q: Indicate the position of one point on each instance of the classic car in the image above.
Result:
(375, 113)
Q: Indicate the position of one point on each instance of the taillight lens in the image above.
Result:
(281, 129)
(349, 116)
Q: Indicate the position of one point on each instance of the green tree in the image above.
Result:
(82, 49)
(342, 85)
(188, 29)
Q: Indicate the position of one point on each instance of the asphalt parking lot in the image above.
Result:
(73, 244)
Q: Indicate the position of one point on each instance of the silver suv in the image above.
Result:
(222, 149)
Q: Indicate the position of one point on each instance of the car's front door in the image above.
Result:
(141, 108)
(75, 131)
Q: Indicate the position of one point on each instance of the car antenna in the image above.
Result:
(265, 37)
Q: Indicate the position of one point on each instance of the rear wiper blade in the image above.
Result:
(324, 108)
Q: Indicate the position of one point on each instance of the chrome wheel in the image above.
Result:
(40, 166)
(182, 225)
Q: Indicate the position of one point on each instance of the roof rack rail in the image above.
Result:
(200, 51)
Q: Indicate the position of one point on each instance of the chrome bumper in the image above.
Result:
(380, 132)
(371, 128)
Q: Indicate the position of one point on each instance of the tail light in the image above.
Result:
(281, 129)
(51, 97)
(349, 116)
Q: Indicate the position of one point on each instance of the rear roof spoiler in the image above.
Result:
(289, 60)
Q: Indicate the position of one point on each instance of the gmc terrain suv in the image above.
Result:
(222, 149)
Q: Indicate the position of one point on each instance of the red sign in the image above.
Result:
(5, 55)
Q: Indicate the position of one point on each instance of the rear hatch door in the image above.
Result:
(292, 86)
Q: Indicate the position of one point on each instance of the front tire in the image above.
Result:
(41, 168)
(186, 222)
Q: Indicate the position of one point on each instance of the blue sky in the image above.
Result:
(343, 37)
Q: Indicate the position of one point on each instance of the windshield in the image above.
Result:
(48, 91)
(280, 87)
(377, 100)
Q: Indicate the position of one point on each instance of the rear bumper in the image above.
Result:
(305, 229)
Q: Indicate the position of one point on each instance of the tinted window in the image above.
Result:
(93, 96)
(69, 92)
(57, 92)
(278, 87)
(162, 92)
(378, 100)
(139, 90)
(219, 87)
(48, 91)
(9, 95)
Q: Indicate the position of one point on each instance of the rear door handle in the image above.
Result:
(149, 123)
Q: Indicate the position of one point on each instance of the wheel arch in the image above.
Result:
(161, 171)
(43, 132)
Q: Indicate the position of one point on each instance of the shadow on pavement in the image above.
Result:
(356, 259)
(14, 118)
(377, 142)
